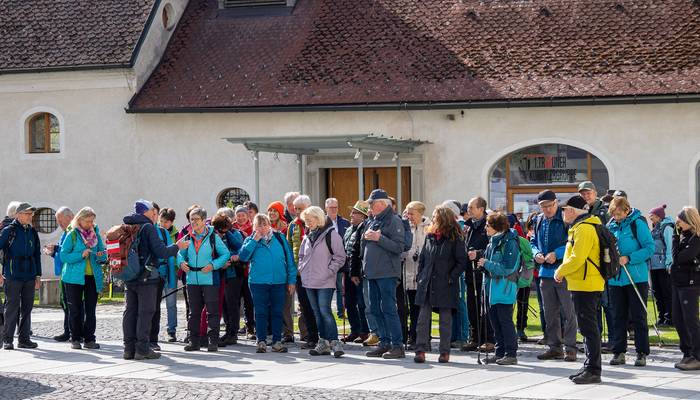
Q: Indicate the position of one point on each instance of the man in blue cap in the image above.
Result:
(382, 245)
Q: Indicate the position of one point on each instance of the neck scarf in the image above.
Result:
(89, 237)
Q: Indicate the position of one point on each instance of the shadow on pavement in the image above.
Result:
(13, 388)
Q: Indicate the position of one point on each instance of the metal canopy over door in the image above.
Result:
(342, 184)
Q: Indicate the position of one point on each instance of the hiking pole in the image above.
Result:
(656, 315)
(639, 296)
(173, 292)
(478, 311)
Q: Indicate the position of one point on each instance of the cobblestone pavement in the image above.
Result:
(58, 387)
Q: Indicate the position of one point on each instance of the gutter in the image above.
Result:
(485, 104)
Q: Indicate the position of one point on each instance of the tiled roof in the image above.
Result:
(54, 34)
(408, 51)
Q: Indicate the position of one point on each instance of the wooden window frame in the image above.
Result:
(47, 134)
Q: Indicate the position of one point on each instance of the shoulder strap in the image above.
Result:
(328, 241)
(278, 236)
(212, 243)
(633, 227)
(12, 237)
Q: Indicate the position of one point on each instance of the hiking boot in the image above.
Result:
(491, 359)
(27, 344)
(151, 355)
(278, 347)
(322, 349)
(685, 360)
(419, 358)
(618, 359)
(308, 345)
(522, 337)
(378, 352)
(91, 345)
(471, 346)
(394, 353)
(62, 338)
(457, 344)
(75, 345)
(579, 372)
(551, 354)
(372, 340)
(641, 360)
(242, 331)
(361, 338)
(288, 339)
(444, 358)
(337, 347)
(691, 365)
(507, 361)
(586, 378)
(487, 347)
(262, 347)
(172, 338)
(570, 356)
(350, 338)
(155, 346)
(128, 355)
(229, 341)
(192, 346)
(213, 346)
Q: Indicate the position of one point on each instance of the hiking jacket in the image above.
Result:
(685, 270)
(639, 249)
(74, 264)
(582, 251)
(271, 261)
(22, 252)
(317, 266)
(440, 264)
(410, 265)
(151, 247)
(550, 236)
(382, 259)
(662, 233)
(205, 255)
(502, 259)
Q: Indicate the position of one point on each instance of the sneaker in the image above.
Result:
(128, 355)
(491, 359)
(27, 344)
(8, 346)
(337, 347)
(606, 350)
(685, 360)
(350, 338)
(419, 358)
(288, 339)
(229, 341)
(151, 355)
(394, 353)
(522, 337)
(618, 359)
(507, 361)
(586, 378)
(361, 338)
(278, 347)
(75, 345)
(378, 352)
(372, 340)
(322, 349)
(193, 347)
(155, 346)
(262, 347)
(471, 346)
(213, 346)
(242, 331)
(308, 345)
(570, 356)
(641, 360)
(172, 338)
(444, 358)
(551, 354)
(691, 365)
(62, 338)
(487, 347)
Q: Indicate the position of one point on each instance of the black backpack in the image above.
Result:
(609, 255)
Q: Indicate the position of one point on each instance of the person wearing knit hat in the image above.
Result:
(275, 211)
(661, 261)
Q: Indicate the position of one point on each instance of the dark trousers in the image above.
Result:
(138, 316)
(183, 279)
(355, 306)
(200, 296)
(540, 301)
(661, 287)
(232, 297)
(586, 305)
(155, 325)
(408, 312)
(20, 301)
(82, 302)
(307, 312)
(474, 305)
(523, 300)
(425, 319)
(686, 321)
(628, 307)
(248, 308)
(501, 316)
(605, 311)
(64, 307)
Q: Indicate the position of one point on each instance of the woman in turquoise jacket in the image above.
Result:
(81, 253)
(502, 259)
(206, 253)
(273, 273)
(660, 272)
(636, 246)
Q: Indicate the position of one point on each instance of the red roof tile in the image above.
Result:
(409, 51)
(50, 34)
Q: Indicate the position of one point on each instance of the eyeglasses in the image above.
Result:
(195, 219)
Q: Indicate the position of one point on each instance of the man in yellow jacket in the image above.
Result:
(584, 281)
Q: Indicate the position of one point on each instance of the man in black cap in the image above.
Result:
(382, 244)
(21, 275)
(548, 245)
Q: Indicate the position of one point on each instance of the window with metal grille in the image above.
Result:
(232, 197)
(44, 220)
(43, 134)
(253, 3)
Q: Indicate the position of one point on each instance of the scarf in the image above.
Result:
(89, 237)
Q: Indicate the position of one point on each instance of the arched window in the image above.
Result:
(43, 134)
(44, 220)
(232, 197)
(518, 177)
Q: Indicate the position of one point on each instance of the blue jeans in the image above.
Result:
(501, 316)
(382, 303)
(320, 300)
(355, 306)
(460, 320)
(339, 293)
(171, 306)
(371, 319)
(268, 302)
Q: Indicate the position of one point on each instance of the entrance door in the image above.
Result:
(342, 184)
(523, 201)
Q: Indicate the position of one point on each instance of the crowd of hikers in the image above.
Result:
(590, 260)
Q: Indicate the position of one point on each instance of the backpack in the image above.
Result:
(123, 258)
(609, 254)
(524, 273)
(10, 240)
(278, 236)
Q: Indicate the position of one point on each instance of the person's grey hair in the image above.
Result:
(290, 196)
(64, 211)
(12, 209)
(261, 219)
(388, 202)
(452, 206)
(302, 199)
(85, 212)
(227, 211)
(315, 213)
(200, 212)
(331, 200)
